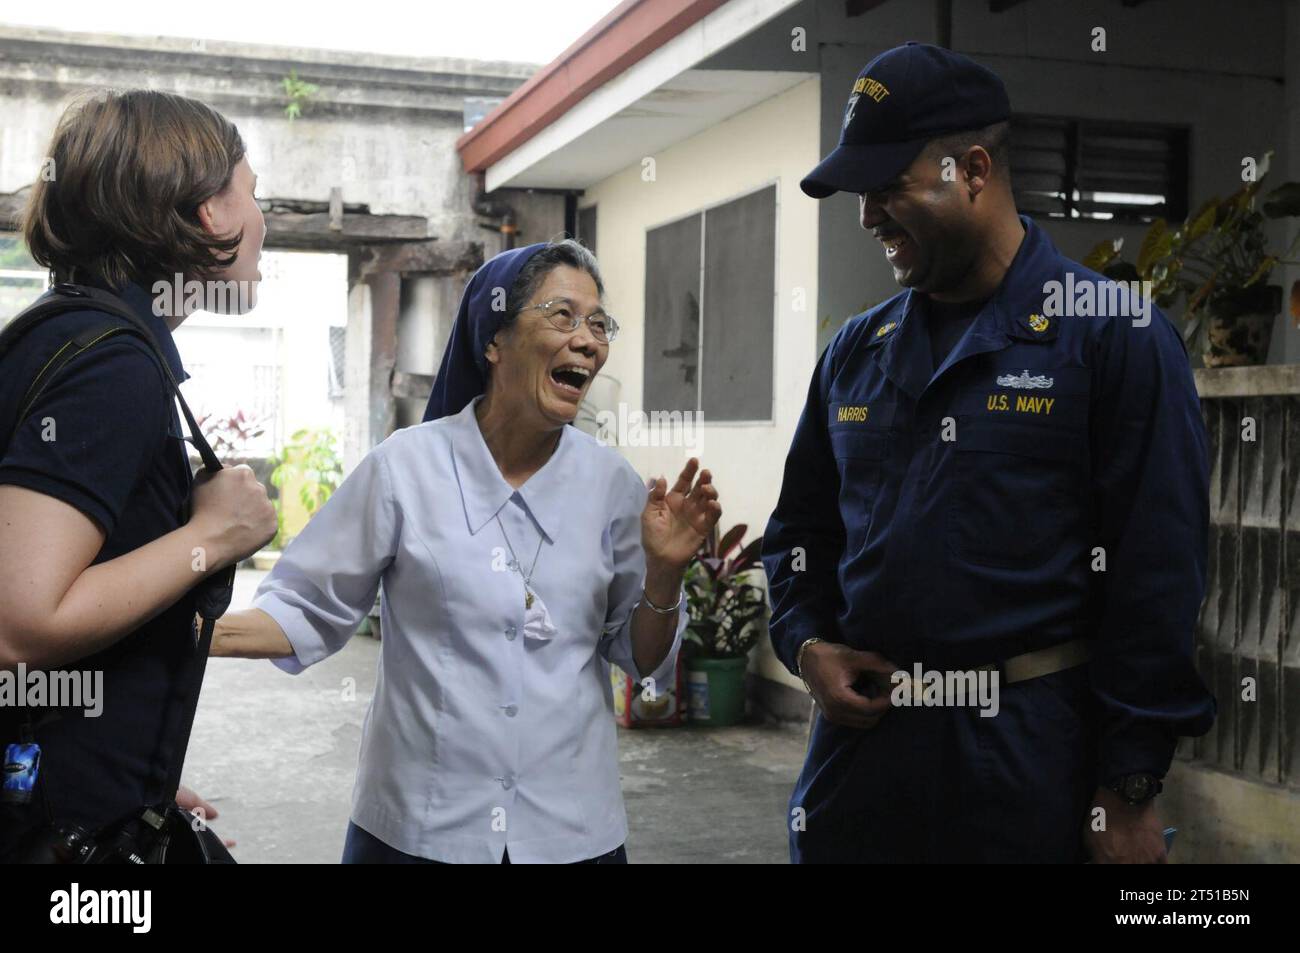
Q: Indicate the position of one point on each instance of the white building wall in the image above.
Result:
(773, 142)
(302, 294)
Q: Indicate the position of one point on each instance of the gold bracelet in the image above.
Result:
(798, 660)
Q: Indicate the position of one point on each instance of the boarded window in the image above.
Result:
(739, 299)
(710, 303)
(672, 307)
(1112, 171)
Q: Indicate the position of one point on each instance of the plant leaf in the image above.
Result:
(1102, 254)
(730, 539)
(712, 565)
(1203, 221)
(1283, 200)
(1201, 294)
(1155, 245)
(1262, 271)
(1264, 164)
(748, 556)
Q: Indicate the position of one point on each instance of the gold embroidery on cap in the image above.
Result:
(872, 89)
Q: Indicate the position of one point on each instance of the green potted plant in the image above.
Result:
(310, 463)
(1219, 262)
(726, 609)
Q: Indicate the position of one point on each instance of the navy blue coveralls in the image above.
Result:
(956, 553)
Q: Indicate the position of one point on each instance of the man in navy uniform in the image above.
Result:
(990, 480)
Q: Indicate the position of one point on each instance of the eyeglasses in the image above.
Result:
(561, 316)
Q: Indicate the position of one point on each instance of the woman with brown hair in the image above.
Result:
(104, 534)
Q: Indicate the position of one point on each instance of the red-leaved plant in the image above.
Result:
(230, 436)
(725, 606)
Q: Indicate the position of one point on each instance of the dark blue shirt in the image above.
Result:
(954, 518)
(118, 455)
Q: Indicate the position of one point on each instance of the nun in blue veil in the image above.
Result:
(519, 558)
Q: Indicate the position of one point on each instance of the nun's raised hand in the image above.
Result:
(677, 520)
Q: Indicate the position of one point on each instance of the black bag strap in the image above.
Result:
(69, 297)
(214, 593)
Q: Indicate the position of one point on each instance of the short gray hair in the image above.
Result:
(563, 251)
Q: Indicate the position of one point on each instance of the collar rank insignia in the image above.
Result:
(886, 328)
(1038, 323)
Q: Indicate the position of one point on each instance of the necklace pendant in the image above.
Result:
(528, 598)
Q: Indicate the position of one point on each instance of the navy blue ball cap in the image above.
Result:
(900, 101)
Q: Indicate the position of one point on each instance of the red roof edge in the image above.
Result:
(627, 34)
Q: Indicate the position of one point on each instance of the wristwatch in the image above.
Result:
(1136, 788)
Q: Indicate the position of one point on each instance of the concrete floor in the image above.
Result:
(276, 756)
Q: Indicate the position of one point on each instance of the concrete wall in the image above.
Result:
(1226, 819)
(746, 459)
(382, 128)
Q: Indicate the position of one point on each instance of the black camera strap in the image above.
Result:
(212, 596)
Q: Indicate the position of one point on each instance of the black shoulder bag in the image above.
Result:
(160, 833)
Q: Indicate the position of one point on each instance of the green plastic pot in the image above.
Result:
(715, 690)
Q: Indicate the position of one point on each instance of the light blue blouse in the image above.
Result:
(480, 735)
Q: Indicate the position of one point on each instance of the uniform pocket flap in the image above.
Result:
(1026, 440)
(852, 443)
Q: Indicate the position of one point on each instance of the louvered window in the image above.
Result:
(1104, 170)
